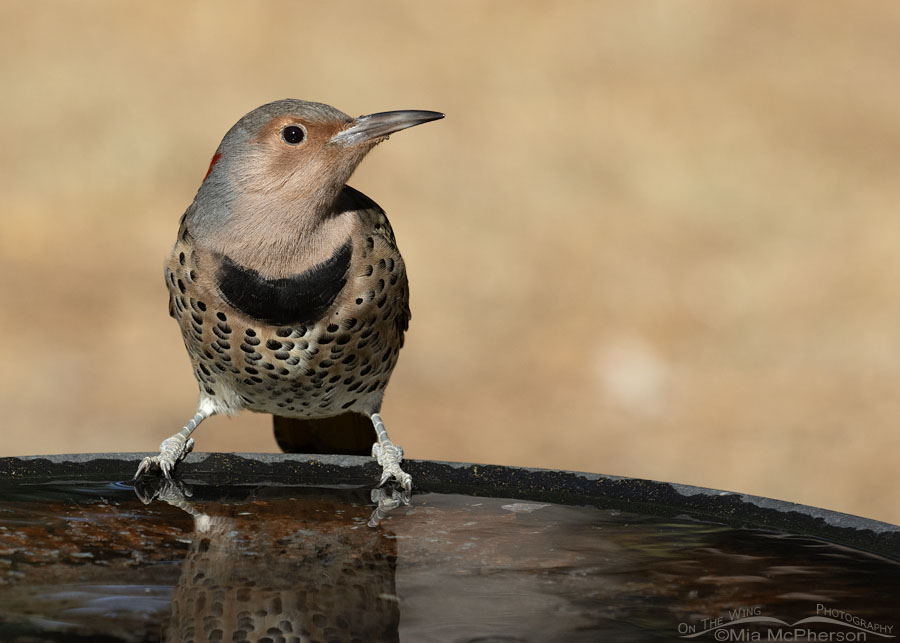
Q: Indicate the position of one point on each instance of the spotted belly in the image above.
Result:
(304, 371)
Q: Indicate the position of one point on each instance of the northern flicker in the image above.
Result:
(287, 283)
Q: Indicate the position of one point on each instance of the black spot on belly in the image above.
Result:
(302, 298)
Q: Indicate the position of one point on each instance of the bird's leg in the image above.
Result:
(173, 449)
(389, 456)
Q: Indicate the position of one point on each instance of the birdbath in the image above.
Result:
(260, 547)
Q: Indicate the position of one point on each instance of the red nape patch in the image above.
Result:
(212, 164)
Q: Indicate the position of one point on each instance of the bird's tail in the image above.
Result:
(345, 434)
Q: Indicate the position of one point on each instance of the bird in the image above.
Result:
(287, 284)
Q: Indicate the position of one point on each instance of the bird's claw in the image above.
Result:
(389, 456)
(172, 451)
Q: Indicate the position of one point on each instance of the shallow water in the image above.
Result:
(91, 562)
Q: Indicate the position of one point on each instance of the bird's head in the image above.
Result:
(299, 152)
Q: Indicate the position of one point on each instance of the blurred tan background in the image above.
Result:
(654, 239)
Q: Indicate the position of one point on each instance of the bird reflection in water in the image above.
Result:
(280, 569)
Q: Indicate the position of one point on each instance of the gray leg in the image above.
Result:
(173, 449)
(389, 456)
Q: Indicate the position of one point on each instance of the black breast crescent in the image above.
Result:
(298, 299)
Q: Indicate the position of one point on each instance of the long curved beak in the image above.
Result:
(371, 126)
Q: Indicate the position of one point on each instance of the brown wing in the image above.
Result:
(352, 198)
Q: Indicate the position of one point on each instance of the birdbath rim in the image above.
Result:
(523, 483)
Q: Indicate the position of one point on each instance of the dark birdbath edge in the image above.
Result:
(542, 485)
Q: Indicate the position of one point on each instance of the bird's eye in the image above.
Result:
(293, 134)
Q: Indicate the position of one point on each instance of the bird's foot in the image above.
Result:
(389, 456)
(172, 451)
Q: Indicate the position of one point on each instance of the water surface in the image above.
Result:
(92, 562)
